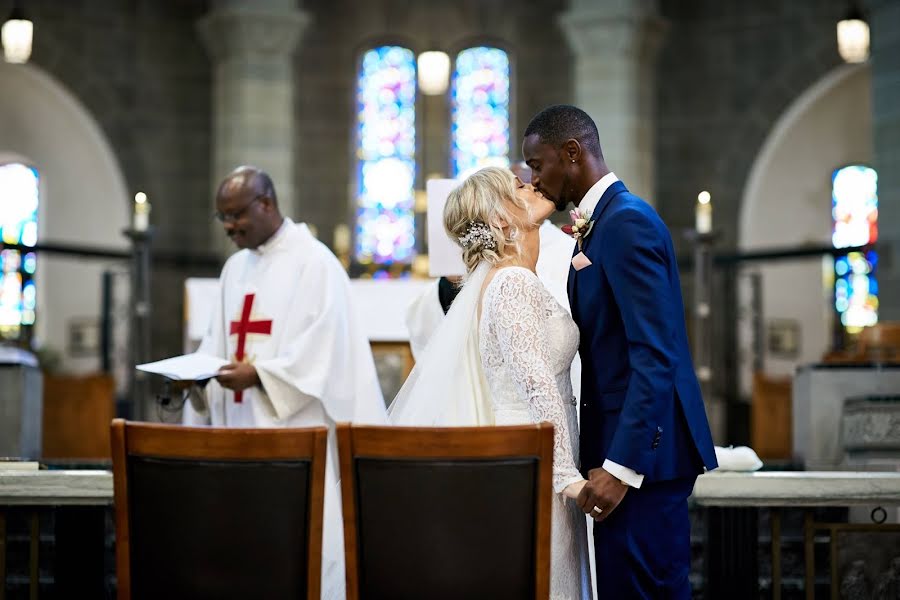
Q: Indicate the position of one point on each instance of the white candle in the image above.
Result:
(141, 217)
(703, 213)
(341, 240)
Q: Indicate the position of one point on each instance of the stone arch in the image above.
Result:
(786, 202)
(740, 148)
(84, 196)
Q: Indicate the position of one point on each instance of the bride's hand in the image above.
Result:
(573, 489)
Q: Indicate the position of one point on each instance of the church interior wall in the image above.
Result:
(788, 203)
(81, 189)
(140, 70)
(726, 72)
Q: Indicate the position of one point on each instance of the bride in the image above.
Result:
(502, 354)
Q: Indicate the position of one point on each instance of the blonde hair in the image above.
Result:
(484, 198)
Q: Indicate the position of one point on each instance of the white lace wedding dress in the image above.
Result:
(527, 342)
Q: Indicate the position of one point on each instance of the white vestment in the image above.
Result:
(285, 307)
(425, 313)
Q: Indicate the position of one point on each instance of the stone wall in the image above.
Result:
(140, 70)
(885, 17)
(727, 71)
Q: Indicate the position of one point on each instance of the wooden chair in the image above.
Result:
(218, 513)
(447, 513)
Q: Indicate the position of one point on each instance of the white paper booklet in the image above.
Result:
(189, 367)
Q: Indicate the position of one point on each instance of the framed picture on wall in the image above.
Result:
(84, 337)
(783, 338)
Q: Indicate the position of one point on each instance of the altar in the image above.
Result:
(819, 395)
(738, 505)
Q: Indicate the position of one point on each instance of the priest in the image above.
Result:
(285, 321)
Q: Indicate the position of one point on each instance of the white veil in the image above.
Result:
(447, 387)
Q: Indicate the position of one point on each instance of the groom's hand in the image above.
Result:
(602, 491)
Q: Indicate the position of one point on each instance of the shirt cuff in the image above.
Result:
(623, 474)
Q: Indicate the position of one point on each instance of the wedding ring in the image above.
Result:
(596, 509)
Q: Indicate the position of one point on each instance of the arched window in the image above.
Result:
(386, 145)
(18, 225)
(854, 209)
(480, 110)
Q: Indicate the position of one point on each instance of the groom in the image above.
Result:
(644, 433)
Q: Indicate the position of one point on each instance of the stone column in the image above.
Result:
(615, 45)
(884, 20)
(251, 43)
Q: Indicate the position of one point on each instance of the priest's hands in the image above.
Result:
(601, 494)
(238, 376)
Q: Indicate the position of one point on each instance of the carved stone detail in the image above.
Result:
(871, 425)
(250, 32)
(888, 585)
(855, 585)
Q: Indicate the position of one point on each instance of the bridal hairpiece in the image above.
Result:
(478, 232)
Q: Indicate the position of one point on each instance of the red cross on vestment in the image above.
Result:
(241, 329)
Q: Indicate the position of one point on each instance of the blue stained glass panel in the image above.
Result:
(854, 209)
(386, 145)
(19, 199)
(480, 110)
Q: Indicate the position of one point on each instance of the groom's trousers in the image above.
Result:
(643, 549)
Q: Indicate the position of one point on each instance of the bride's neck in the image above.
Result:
(530, 249)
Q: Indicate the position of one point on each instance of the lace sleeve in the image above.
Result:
(518, 314)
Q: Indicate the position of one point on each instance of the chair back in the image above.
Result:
(447, 513)
(218, 513)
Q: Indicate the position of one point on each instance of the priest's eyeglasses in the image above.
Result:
(231, 217)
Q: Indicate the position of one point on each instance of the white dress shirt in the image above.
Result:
(592, 198)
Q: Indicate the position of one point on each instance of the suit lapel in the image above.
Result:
(611, 192)
(570, 285)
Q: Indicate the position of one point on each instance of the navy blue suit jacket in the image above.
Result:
(640, 401)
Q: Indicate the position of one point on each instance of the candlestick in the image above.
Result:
(341, 239)
(141, 218)
(703, 213)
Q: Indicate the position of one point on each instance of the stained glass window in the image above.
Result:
(480, 110)
(18, 225)
(386, 145)
(854, 201)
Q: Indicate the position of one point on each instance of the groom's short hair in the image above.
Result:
(558, 123)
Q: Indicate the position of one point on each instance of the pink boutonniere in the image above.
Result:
(581, 226)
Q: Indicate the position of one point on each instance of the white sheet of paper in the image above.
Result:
(444, 255)
(189, 367)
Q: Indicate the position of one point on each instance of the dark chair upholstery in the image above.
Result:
(218, 513)
(446, 513)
